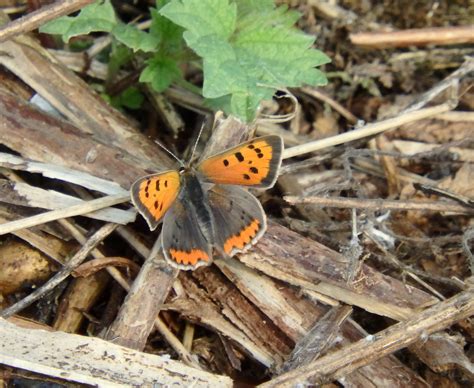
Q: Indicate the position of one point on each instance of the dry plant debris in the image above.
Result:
(365, 271)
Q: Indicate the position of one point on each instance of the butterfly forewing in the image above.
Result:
(254, 163)
(153, 195)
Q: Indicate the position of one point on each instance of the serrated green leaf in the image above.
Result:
(98, 16)
(260, 9)
(160, 72)
(246, 58)
(134, 38)
(203, 17)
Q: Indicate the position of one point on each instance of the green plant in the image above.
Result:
(247, 48)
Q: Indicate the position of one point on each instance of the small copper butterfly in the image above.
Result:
(203, 206)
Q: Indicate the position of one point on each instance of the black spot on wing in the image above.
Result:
(254, 170)
(239, 156)
(226, 162)
(246, 176)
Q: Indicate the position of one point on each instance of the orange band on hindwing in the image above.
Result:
(191, 257)
(244, 238)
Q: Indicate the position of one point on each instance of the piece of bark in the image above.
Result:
(136, 317)
(318, 339)
(243, 314)
(295, 315)
(80, 296)
(73, 98)
(442, 353)
(287, 256)
(47, 139)
(94, 361)
(198, 308)
(339, 363)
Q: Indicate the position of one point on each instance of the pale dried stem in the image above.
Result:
(380, 204)
(54, 215)
(366, 131)
(415, 37)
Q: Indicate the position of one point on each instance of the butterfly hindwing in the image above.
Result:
(239, 220)
(154, 194)
(254, 163)
(184, 244)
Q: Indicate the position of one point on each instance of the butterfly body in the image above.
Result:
(195, 195)
(203, 207)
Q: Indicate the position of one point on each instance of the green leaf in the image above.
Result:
(134, 38)
(119, 56)
(203, 17)
(169, 36)
(249, 49)
(130, 98)
(98, 16)
(160, 72)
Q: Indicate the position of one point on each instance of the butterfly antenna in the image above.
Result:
(197, 141)
(169, 152)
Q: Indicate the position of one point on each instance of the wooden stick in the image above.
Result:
(415, 37)
(44, 14)
(93, 361)
(53, 215)
(366, 131)
(346, 360)
(380, 204)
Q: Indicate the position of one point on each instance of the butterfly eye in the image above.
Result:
(181, 170)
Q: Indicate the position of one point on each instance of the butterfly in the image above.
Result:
(204, 206)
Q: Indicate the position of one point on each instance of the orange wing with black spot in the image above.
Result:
(254, 163)
(154, 194)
